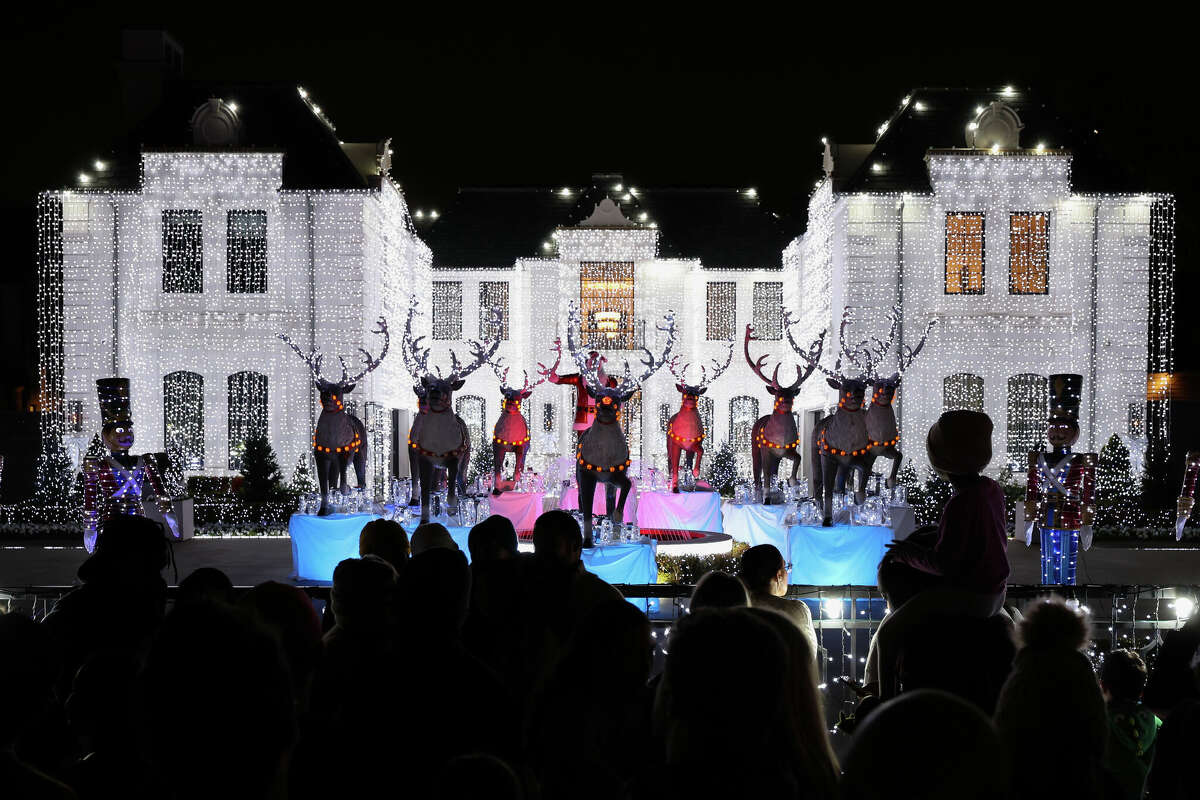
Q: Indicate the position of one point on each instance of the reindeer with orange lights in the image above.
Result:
(340, 438)
(685, 429)
(602, 455)
(775, 436)
(511, 434)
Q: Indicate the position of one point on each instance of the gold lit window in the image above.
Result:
(606, 305)
(1028, 253)
(964, 253)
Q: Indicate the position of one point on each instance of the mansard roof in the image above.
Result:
(723, 227)
(937, 119)
(273, 116)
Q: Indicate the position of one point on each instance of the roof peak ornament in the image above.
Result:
(607, 214)
(996, 126)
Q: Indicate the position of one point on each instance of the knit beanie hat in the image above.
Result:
(960, 442)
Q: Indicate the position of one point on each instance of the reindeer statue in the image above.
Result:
(439, 436)
(883, 435)
(511, 434)
(685, 430)
(775, 436)
(339, 438)
(602, 454)
(416, 362)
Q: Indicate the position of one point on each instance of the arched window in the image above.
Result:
(705, 406)
(1028, 406)
(631, 421)
(962, 390)
(183, 419)
(247, 393)
(743, 413)
(472, 409)
(664, 417)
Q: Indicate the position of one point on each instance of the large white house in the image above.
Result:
(256, 220)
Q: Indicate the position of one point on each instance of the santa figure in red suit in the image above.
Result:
(585, 404)
(117, 484)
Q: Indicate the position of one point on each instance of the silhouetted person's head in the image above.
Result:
(763, 570)
(432, 535)
(437, 592)
(129, 549)
(214, 676)
(478, 776)
(890, 756)
(205, 585)
(288, 613)
(613, 640)
(29, 665)
(384, 538)
(1123, 676)
(494, 539)
(363, 593)
(898, 582)
(1051, 624)
(745, 650)
(718, 589)
(557, 539)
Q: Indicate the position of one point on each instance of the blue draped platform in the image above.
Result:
(319, 543)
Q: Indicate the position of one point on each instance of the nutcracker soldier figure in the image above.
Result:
(116, 484)
(1060, 494)
(1187, 493)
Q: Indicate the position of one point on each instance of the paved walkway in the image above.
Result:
(250, 560)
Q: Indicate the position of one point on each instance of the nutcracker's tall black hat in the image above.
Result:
(1066, 392)
(114, 401)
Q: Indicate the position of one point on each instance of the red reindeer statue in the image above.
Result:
(511, 434)
(775, 436)
(602, 455)
(685, 430)
(339, 438)
(439, 436)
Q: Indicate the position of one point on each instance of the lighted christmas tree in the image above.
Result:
(722, 469)
(55, 477)
(303, 480)
(261, 478)
(1116, 488)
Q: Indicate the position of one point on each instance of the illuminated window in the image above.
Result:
(183, 419)
(447, 309)
(1028, 408)
(722, 311)
(182, 251)
(247, 398)
(606, 301)
(964, 252)
(768, 310)
(493, 294)
(472, 409)
(631, 421)
(75, 416)
(1028, 253)
(962, 391)
(246, 252)
(1137, 420)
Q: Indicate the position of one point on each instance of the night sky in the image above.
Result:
(679, 97)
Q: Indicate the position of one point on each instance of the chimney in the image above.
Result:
(150, 59)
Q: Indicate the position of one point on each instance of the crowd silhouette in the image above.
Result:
(525, 676)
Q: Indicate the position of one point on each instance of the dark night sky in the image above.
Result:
(679, 96)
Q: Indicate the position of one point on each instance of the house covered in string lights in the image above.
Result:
(977, 209)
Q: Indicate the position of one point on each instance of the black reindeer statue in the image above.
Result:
(685, 429)
(511, 434)
(439, 436)
(602, 455)
(416, 362)
(883, 434)
(775, 436)
(340, 438)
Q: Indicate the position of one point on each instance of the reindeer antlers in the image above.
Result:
(907, 354)
(481, 353)
(416, 358)
(503, 376)
(705, 381)
(865, 356)
(313, 359)
(757, 366)
(628, 384)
